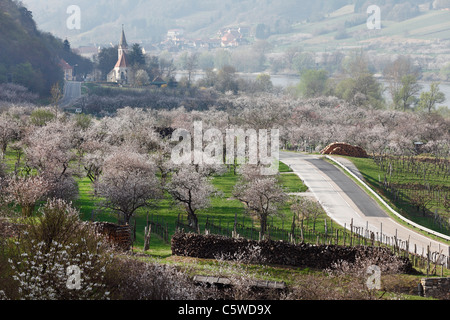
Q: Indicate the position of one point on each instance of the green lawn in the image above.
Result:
(223, 208)
(284, 168)
(293, 183)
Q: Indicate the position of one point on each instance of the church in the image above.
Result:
(121, 72)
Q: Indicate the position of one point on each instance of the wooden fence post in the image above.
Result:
(147, 236)
(351, 232)
(147, 233)
(235, 225)
(381, 232)
(448, 258)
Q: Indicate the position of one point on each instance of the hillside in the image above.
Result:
(348, 27)
(28, 56)
(25, 59)
(148, 21)
(424, 37)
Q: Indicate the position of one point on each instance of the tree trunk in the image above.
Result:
(147, 235)
(193, 221)
(27, 211)
(263, 222)
(4, 146)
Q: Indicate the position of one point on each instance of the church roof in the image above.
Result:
(122, 62)
(158, 80)
(63, 64)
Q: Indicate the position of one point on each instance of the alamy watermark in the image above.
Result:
(241, 146)
(374, 280)
(374, 20)
(73, 22)
(73, 278)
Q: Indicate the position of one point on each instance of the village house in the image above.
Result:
(233, 37)
(175, 34)
(230, 39)
(68, 70)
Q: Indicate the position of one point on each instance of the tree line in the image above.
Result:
(357, 84)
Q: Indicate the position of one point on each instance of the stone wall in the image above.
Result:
(119, 236)
(436, 287)
(285, 253)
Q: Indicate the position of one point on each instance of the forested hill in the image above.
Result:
(149, 20)
(28, 56)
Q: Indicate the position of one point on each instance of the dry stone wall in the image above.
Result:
(284, 253)
(119, 236)
(436, 287)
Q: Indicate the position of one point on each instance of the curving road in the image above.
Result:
(346, 202)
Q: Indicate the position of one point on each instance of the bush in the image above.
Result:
(40, 117)
(39, 258)
(131, 279)
(34, 264)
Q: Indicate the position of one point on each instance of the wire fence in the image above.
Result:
(350, 235)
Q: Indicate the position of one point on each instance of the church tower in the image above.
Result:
(120, 73)
(123, 46)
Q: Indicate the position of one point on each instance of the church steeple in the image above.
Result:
(123, 40)
(123, 46)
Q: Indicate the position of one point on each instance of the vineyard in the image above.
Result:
(419, 186)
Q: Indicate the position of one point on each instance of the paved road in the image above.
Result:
(72, 92)
(344, 200)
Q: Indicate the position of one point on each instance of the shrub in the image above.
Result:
(131, 279)
(39, 258)
(40, 117)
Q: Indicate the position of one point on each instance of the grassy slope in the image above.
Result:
(372, 174)
(427, 26)
(223, 208)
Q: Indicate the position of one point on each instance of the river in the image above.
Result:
(285, 81)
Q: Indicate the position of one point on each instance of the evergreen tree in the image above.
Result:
(106, 60)
(136, 56)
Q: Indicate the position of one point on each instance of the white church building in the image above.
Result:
(121, 72)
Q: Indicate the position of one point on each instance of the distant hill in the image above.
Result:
(28, 56)
(420, 32)
(347, 26)
(149, 20)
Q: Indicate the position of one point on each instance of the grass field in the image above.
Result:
(223, 208)
(374, 176)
